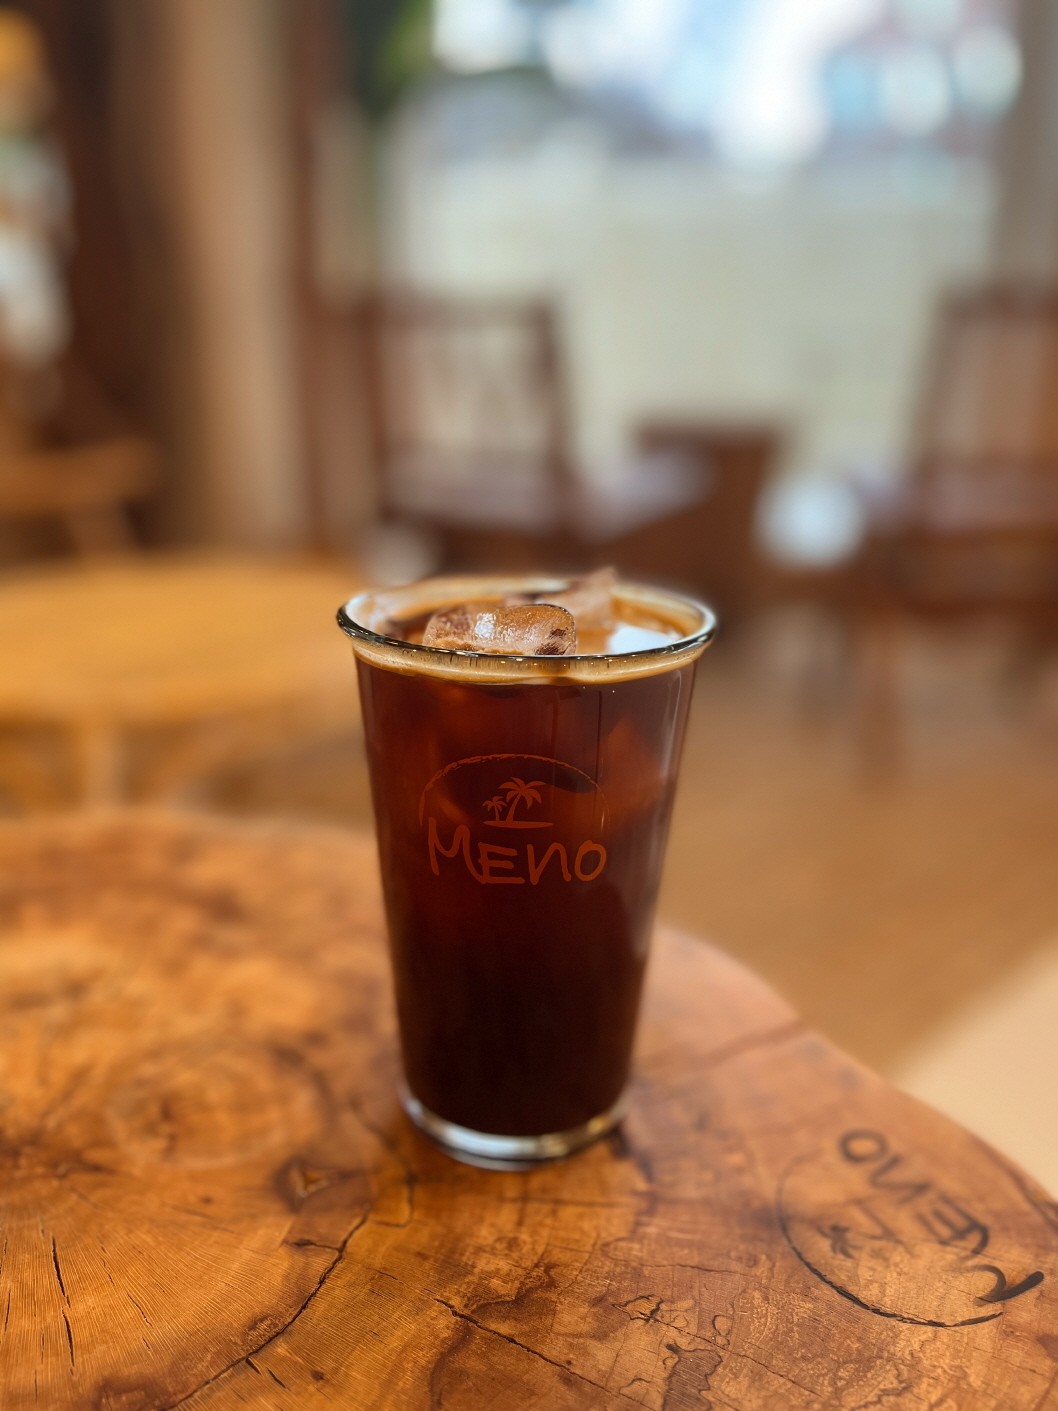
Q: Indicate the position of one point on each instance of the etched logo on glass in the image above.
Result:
(515, 820)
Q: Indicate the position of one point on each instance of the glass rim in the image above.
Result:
(461, 589)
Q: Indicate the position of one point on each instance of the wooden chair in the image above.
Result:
(79, 472)
(85, 489)
(469, 420)
(973, 530)
(717, 541)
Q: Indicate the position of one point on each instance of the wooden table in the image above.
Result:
(210, 1198)
(210, 659)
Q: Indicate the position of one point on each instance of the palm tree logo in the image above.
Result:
(518, 791)
(513, 792)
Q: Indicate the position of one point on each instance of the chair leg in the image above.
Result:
(29, 785)
(827, 676)
(98, 765)
(105, 530)
(879, 643)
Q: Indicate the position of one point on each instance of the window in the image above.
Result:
(762, 81)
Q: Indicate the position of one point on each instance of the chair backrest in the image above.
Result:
(81, 485)
(466, 405)
(976, 525)
(992, 392)
(87, 490)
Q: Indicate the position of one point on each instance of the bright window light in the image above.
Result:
(692, 87)
(616, 41)
(932, 19)
(775, 109)
(473, 36)
(988, 69)
(916, 92)
(766, 82)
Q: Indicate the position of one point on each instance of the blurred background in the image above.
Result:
(753, 297)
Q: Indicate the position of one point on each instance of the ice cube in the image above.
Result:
(590, 600)
(530, 629)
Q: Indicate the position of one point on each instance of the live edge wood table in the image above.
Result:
(209, 1198)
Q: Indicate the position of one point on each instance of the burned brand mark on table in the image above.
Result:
(867, 1220)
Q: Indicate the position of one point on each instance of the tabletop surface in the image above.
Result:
(172, 636)
(209, 1197)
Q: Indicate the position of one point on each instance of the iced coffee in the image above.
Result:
(523, 738)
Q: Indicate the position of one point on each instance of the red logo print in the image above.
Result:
(553, 815)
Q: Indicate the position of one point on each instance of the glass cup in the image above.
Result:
(522, 805)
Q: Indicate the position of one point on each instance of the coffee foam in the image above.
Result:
(374, 618)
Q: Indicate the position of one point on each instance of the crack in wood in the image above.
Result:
(607, 1247)
(657, 1322)
(302, 1306)
(532, 1351)
(780, 1376)
(137, 1305)
(69, 1339)
(58, 1270)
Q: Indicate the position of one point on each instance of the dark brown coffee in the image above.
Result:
(522, 813)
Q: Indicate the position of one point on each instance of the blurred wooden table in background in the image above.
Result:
(211, 1198)
(191, 661)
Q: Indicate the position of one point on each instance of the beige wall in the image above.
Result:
(689, 291)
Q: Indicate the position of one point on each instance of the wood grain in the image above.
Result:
(211, 1199)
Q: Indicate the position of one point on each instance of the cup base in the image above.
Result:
(506, 1153)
